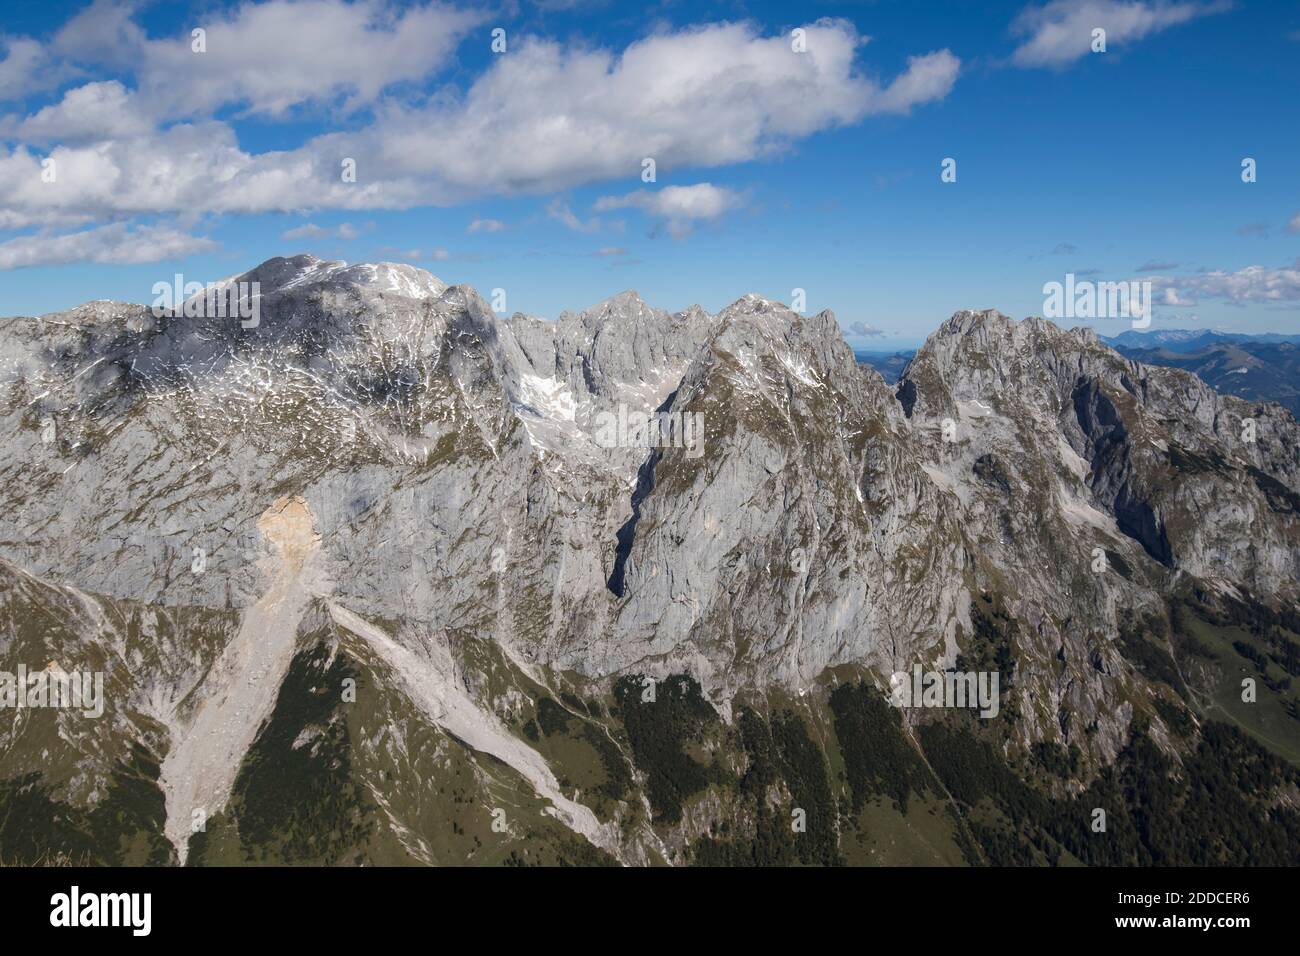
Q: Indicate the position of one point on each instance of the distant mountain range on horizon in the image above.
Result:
(1189, 340)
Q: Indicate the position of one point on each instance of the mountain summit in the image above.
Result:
(655, 565)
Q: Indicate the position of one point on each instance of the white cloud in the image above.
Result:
(1294, 224)
(272, 56)
(1061, 31)
(1251, 284)
(186, 169)
(679, 206)
(312, 231)
(550, 116)
(928, 78)
(1169, 295)
(545, 118)
(266, 57)
(103, 34)
(95, 111)
(486, 225)
(559, 210)
(116, 243)
(24, 69)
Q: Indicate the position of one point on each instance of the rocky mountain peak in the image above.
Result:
(625, 491)
(304, 271)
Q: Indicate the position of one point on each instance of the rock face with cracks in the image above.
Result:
(384, 468)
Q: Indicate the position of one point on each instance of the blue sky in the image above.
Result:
(775, 170)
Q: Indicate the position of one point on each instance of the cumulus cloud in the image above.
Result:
(270, 57)
(1294, 224)
(1060, 32)
(103, 34)
(188, 169)
(1251, 284)
(1156, 265)
(552, 116)
(95, 111)
(116, 243)
(264, 58)
(680, 207)
(547, 118)
(24, 70)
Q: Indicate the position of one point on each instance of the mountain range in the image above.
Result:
(1258, 371)
(1258, 368)
(369, 581)
(1192, 340)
